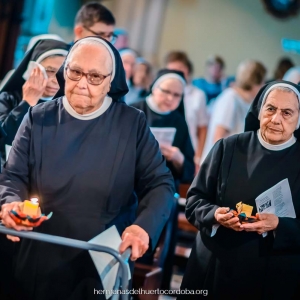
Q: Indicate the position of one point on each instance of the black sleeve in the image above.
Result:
(14, 180)
(11, 115)
(202, 195)
(188, 168)
(182, 141)
(287, 235)
(154, 184)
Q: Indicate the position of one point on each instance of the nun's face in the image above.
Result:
(93, 59)
(128, 64)
(279, 117)
(168, 94)
(52, 65)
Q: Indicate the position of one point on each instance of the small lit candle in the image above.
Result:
(34, 200)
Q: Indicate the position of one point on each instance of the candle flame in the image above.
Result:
(34, 200)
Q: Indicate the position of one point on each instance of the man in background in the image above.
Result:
(94, 19)
(211, 84)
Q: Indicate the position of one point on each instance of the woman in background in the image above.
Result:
(32, 82)
(164, 108)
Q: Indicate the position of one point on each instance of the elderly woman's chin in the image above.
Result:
(81, 103)
(276, 136)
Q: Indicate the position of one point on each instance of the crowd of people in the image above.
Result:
(78, 122)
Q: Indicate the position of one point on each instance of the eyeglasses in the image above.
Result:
(169, 93)
(111, 37)
(92, 78)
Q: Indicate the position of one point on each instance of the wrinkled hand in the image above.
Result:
(267, 222)
(172, 154)
(34, 87)
(137, 238)
(226, 219)
(9, 222)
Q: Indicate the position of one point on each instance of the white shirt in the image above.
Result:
(229, 111)
(195, 111)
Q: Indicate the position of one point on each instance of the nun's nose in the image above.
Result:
(82, 83)
(277, 117)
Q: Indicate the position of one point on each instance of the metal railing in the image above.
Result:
(122, 272)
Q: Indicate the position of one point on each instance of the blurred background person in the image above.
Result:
(122, 40)
(32, 82)
(194, 102)
(129, 57)
(31, 43)
(284, 64)
(292, 75)
(231, 107)
(94, 19)
(163, 108)
(141, 78)
(16, 97)
(211, 84)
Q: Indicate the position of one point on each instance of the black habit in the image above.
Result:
(181, 140)
(12, 105)
(91, 174)
(243, 265)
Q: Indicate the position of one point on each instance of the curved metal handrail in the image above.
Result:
(53, 239)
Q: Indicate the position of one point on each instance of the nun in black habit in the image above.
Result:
(94, 163)
(233, 260)
(164, 108)
(30, 85)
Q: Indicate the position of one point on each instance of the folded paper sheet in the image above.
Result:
(277, 200)
(164, 135)
(106, 265)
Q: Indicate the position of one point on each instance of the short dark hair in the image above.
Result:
(215, 59)
(94, 12)
(180, 56)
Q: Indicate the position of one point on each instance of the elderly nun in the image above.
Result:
(164, 108)
(94, 163)
(33, 82)
(259, 260)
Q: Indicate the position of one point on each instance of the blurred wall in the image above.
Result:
(62, 21)
(234, 29)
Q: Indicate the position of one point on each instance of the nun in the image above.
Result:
(164, 109)
(72, 153)
(33, 82)
(259, 260)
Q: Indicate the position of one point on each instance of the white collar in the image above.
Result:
(153, 106)
(285, 145)
(102, 109)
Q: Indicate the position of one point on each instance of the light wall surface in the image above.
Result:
(234, 29)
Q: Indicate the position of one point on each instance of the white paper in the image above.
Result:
(32, 65)
(277, 200)
(7, 150)
(164, 135)
(108, 274)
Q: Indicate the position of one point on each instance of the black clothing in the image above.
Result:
(90, 174)
(244, 263)
(181, 140)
